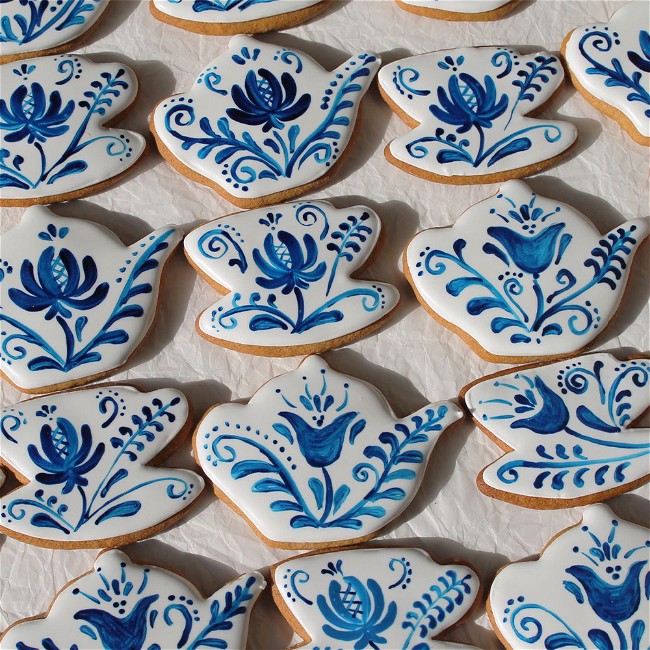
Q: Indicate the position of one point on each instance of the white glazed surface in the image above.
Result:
(228, 250)
(585, 585)
(92, 612)
(80, 137)
(627, 23)
(459, 6)
(357, 484)
(413, 360)
(210, 99)
(417, 83)
(411, 584)
(227, 11)
(59, 24)
(102, 440)
(545, 415)
(24, 247)
(556, 305)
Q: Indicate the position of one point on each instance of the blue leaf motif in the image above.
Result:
(514, 146)
(318, 491)
(124, 509)
(600, 639)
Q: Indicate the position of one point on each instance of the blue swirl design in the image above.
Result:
(597, 455)
(613, 587)
(31, 116)
(533, 260)
(64, 293)
(265, 100)
(65, 457)
(319, 423)
(293, 266)
(44, 16)
(472, 106)
(615, 76)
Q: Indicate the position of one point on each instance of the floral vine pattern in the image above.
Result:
(125, 605)
(568, 426)
(471, 107)
(352, 599)
(612, 62)
(289, 269)
(36, 25)
(523, 275)
(83, 454)
(51, 112)
(588, 590)
(317, 456)
(261, 120)
(67, 315)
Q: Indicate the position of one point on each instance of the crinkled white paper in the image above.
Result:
(412, 360)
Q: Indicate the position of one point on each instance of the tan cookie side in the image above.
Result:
(441, 14)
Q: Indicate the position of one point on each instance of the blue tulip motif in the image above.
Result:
(64, 460)
(60, 286)
(553, 415)
(267, 101)
(29, 115)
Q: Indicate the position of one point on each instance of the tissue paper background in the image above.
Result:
(412, 360)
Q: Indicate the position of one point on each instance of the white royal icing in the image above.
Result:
(589, 589)
(459, 6)
(262, 119)
(611, 61)
(230, 11)
(51, 114)
(380, 598)
(130, 606)
(288, 268)
(567, 424)
(39, 25)
(75, 301)
(83, 456)
(523, 275)
(317, 456)
(471, 105)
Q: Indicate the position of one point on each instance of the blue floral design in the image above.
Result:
(36, 119)
(200, 6)
(612, 586)
(66, 461)
(66, 457)
(59, 287)
(355, 612)
(268, 101)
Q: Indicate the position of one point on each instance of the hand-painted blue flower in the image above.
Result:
(65, 460)
(470, 104)
(355, 613)
(29, 116)
(531, 254)
(59, 284)
(321, 446)
(287, 266)
(552, 417)
(267, 102)
(613, 603)
(128, 633)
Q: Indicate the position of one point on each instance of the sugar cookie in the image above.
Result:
(472, 10)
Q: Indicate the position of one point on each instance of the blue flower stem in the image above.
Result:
(512, 136)
(300, 306)
(621, 636)
(39, 148)
(285, 152)
(481, 145)
(329, 495)
(31, 35)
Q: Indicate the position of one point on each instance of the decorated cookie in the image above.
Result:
(54, 146)
(460, 9)
(83, 458)
(33, 27)
(124, 605)
(520, 276)
(263, 123)
(564, 427)
(75, 302)
(235, 16)
(609, 64)
(289, 272)
(589, 589)
(381, 598)
(469, 112)
(317, 458)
